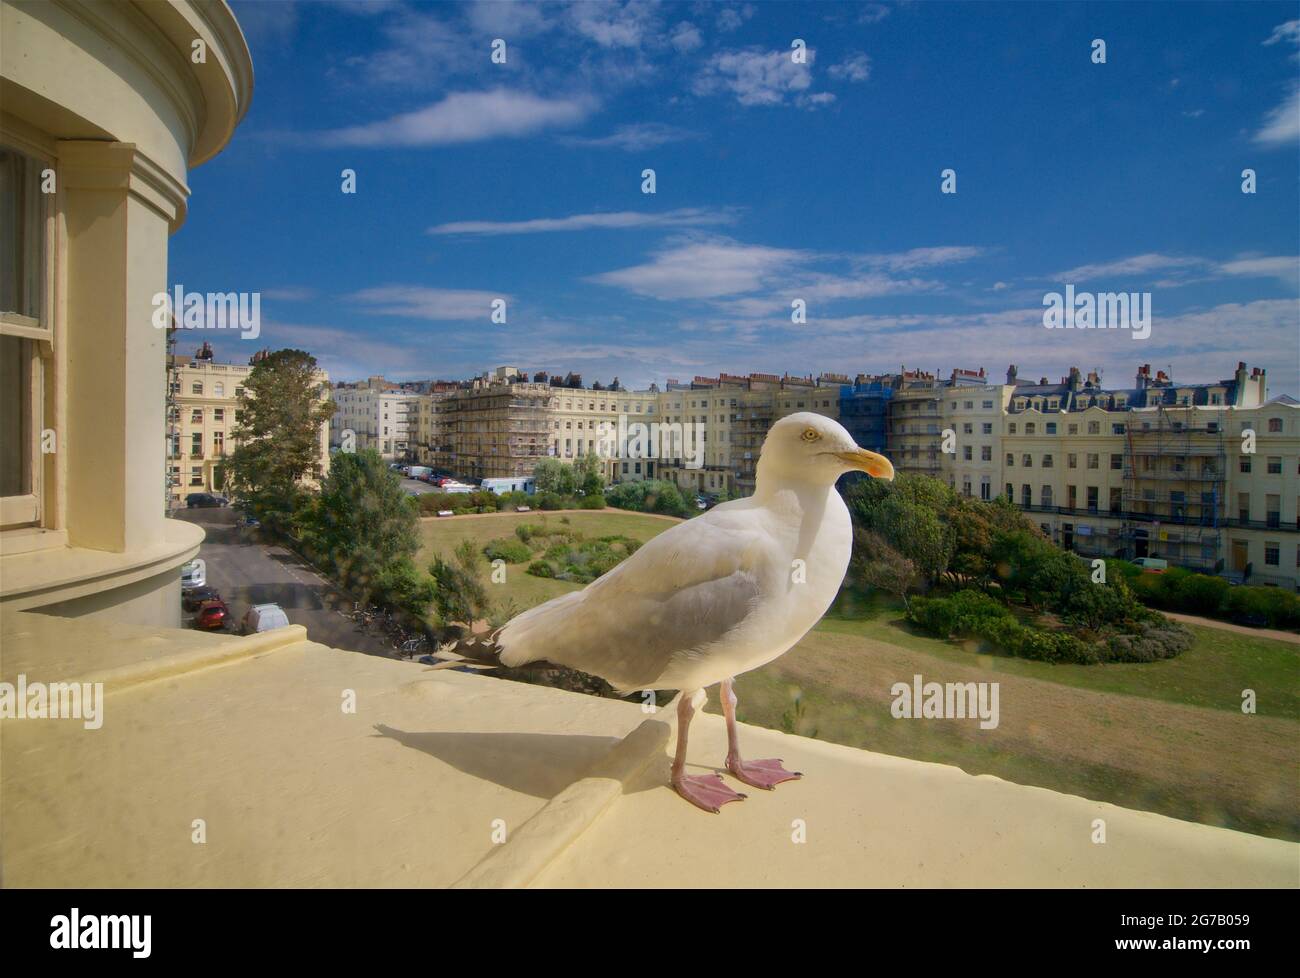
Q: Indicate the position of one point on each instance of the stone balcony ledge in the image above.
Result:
(33, 577)
(416, 787)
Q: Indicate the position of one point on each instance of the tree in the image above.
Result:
(365, 525)
(589, 474)
(460, 595)
(277, 437)
(552, 475)
(909, 514)
(876, 564)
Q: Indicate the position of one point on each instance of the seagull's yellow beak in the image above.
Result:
(876, 466)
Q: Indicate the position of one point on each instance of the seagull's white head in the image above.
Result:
(807, 447)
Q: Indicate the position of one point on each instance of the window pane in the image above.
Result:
(22, 234)
(15, 416)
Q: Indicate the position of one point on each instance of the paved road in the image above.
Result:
(417, 488)
(247, 572)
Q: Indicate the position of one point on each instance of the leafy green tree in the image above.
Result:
(367, 528)
(278, 435)
(878, 565)
(589, 474)
(552, 475)
(909, 514)
(460, 595)
(649, 496)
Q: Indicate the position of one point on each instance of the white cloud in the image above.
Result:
(906, 261)
(1282, 125)
(422, 50)
(1288, 31)
(703, 269)
(510, 21)
(1201, 344)
(1135, 265)
(418, 302)
(686, 37)
(731, 18)
(467, 117)
(633, 138)
(614, 25)
(872, 13)
(755, 76)
(618, 220)
(856, 68)
(1188, 270)
(1285, 269)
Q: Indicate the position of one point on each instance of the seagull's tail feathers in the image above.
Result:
(481, 652)
(539, 634)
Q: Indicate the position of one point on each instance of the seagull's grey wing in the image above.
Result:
(679, 593)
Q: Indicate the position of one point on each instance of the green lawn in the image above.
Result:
(1212, 673)
(441, 536)
(1167, 737)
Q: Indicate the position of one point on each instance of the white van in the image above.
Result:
(1155, 565)
(263, 618)
(194, 574)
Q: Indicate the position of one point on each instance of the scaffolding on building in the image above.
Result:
(754, 414)
(1175, 484)
(500, 431)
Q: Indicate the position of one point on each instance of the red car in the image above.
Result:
(212, 615)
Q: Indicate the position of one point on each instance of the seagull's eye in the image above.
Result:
(811, 435)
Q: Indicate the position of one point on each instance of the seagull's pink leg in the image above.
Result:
(707, 791)
(761, 774)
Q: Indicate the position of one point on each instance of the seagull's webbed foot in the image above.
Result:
(706, 791)
(761, 774)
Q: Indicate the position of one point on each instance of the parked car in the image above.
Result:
(263, 618)
(193, 575)
(204, 500)
(191, 599)
(1155, 565)
(212, 615)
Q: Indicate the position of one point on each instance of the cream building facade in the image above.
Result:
(1205, 475)
(202, 411)
(380, 415)
(104, 108)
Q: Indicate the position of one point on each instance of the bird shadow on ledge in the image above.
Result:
(537, 764)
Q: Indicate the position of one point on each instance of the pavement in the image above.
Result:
(417, 488)
(247, 571)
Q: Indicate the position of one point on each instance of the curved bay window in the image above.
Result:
(25, 334)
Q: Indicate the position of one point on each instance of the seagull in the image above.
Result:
(715, 596)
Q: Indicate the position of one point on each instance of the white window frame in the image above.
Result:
(26, 509)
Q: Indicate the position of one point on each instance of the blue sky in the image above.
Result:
(775, 181)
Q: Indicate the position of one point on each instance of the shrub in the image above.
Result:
(541, 568)
(511, 551)
(550, 500)
(1156, 638)
(960, 614)
(592, 502)
(1280, 608)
